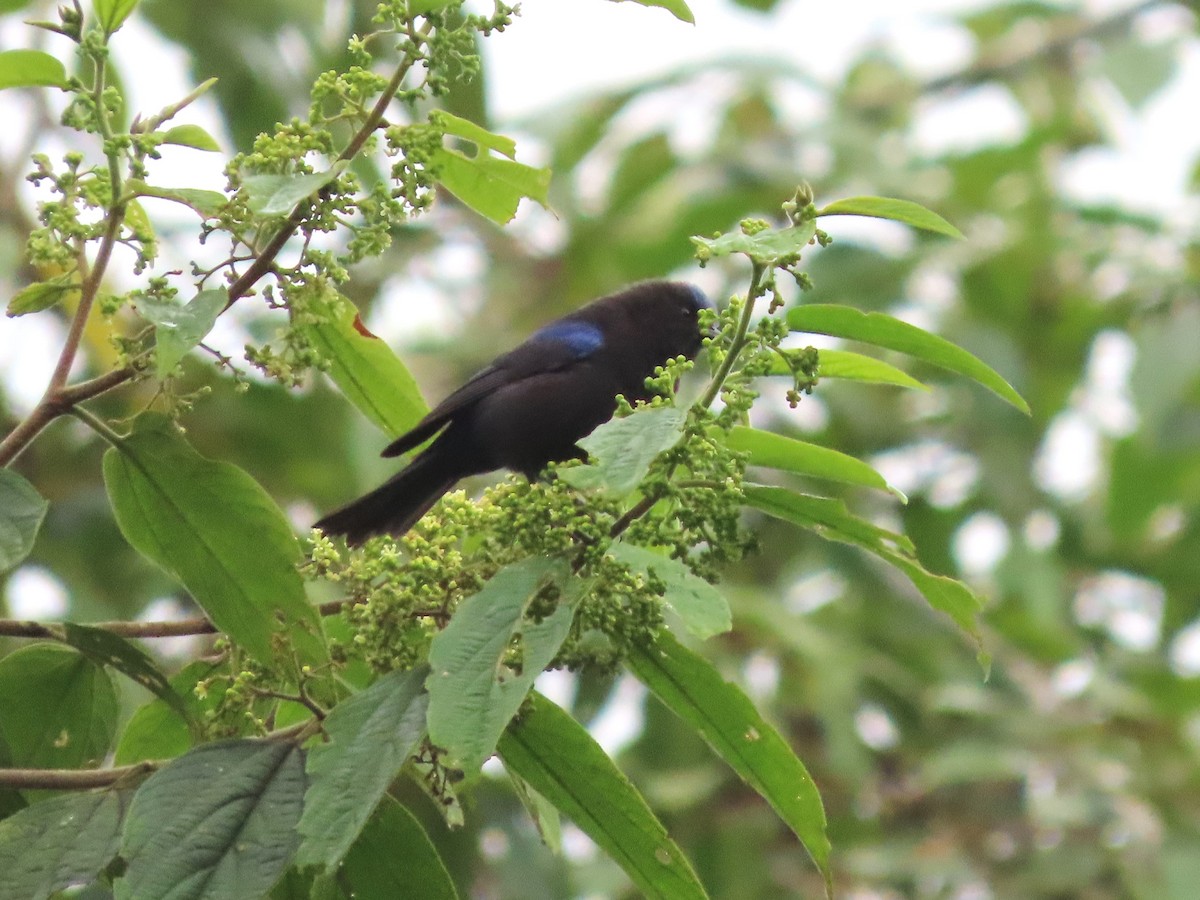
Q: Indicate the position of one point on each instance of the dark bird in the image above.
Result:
(533, 404)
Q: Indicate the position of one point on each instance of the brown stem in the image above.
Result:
(71, 779)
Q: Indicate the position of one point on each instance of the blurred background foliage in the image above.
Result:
(1075, 770)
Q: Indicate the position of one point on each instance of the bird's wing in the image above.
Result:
(558, 345)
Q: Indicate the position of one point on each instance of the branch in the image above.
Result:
(72, 779)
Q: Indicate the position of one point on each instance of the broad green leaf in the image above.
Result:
(621, 450)
(177, 329)
(191, 136)
(112, 13)
(677, 8)
(490, 186)
(216, 824)
(109, 649)
(469, 131)
(726, 718)
(370, 735)
(58, 709)
(154, 731)
(41, 295)
(562, 762)
(886, 331)
(478, 682)
(857, 367)
(206, 203)
(277, 195)
(365, 369)
(830, 519)
(905, 211)
(703, 610)
(211, 526)
(59, 842)
(22, 510)
(769, 247)
(30, 68)
(774, 451)
(424, 7)
(393, 857)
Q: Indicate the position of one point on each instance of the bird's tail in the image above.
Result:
(395, 506)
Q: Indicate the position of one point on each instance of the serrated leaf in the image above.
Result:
(41, 295)
(216, 824)
(180, 328)
(59, 842)
(111, 14)
(30, 68)
(366, 370)
(905, 211)
(774, 451)
(768, 248)
(370, 735)
(703, 610)
(212, 527)
(206, 203)
(885, 331)
(58, 709)
(277, 195)
(490, 186)
(621, 450)
(393, 857)
(191, 136)
(476, 685)
(22, 510)
(726, 718)
(469, 131)
(555, 754)
(677, 8)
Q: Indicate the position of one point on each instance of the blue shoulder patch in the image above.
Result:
(581, 338)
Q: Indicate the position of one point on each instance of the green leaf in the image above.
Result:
(154, 731)
(905, 211)
(180, 328)
(60, 842)
(277, 195)
(774, 451)
(886, 331)
(191, 136)
(7, 6)
(30, 68)
(424, 7)
(857, 367)
(365, 369)
(830, 519)
(206, 203)
(561, 761)
(726, 718)
(469, 131)
(490, 186)
(677, 8)
(768, 248)
(621, 450)
(108, 649)
(543, 813)
(22, 510)
(41, 295)
(370, 735)
(477, 684)
(112, 13)
(393, 857)
(703, 610)
(58, 709)
(216, 824)
(211, 526)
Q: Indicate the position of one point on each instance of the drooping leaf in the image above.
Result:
(469, 131)
(484, 662)
(206, 203)
(703, 610)
(885, 331)
(216, 824)
(59, 842)
(543, 813)
(492, 187)
(621, 450)
(562, 762)
(111, 14)
(726, 718)
(370, 735)
(677, 8)
(774, 451)
(768, 248)
(211, 526)
(22, 510)
(905, 211)
(41, 295)
(180, 328)
(30, 68)
(393, 857)
(366, 370)
(277, 195)
(191, 136)
(58, 709)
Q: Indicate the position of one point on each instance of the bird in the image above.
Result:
(533, 404)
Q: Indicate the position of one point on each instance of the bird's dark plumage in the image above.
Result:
(533, 404)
